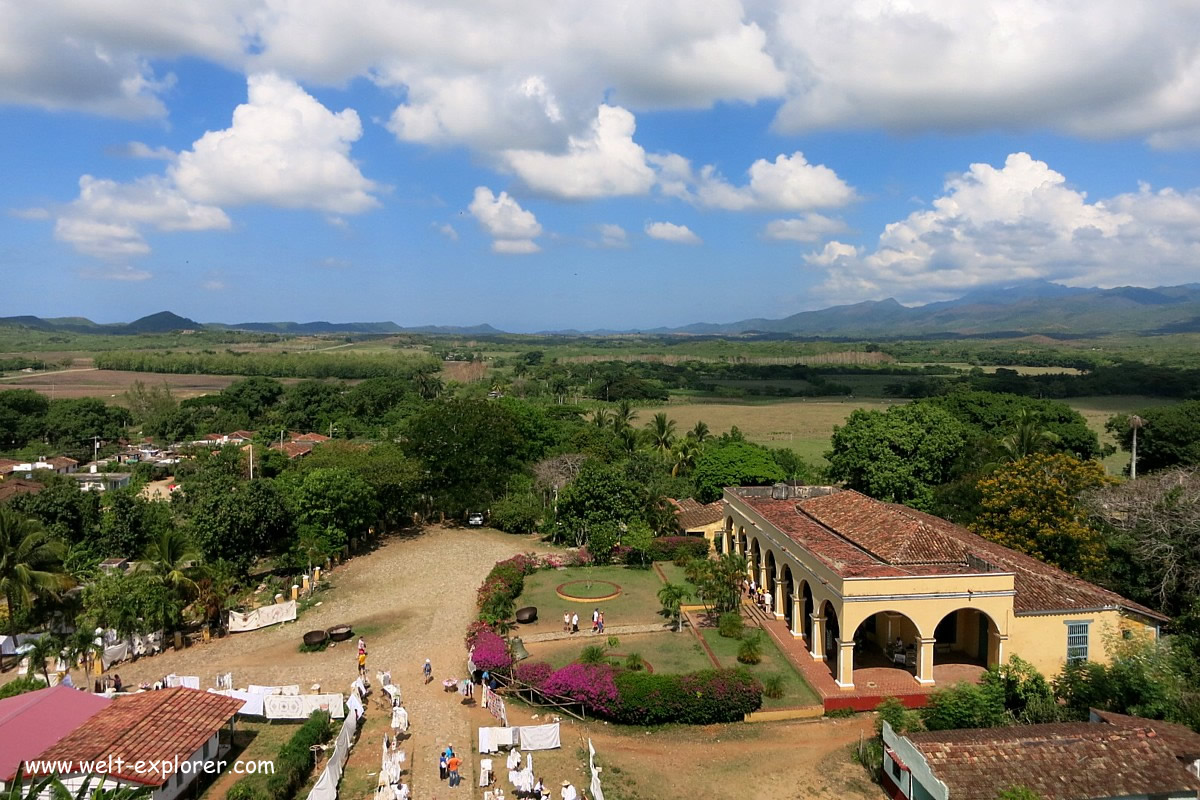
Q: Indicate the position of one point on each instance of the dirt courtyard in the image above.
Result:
(412, 599)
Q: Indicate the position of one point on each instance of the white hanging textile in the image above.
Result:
(301, 706)
(540, 737)
(262, 617)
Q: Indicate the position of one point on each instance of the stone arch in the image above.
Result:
(754, 560)
(967, 635)
(789, 592)
(807, 606)
(883, 634)
(743, 546)
(833, 631)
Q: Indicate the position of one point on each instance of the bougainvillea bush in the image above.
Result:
(668, 548)
(491, 651)
(698, 698)
(590, 684)
(533, 673)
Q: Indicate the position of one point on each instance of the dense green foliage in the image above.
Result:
(1169, 436)
(734, 463)
(292, 765)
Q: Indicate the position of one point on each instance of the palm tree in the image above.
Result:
(699, 431)
(601, 418)
(30, 563)
(629, 440)
(662, 432)
(51, 786)
(173, 560)
(40, 652)
(623, 416)
(428, 385)
(82, 646)
(685, 456)
(672, 596)
(1029, 436)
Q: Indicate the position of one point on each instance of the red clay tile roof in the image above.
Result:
(61, 461)
(148, 726)
(1183, 741)
(1060, 761)
(15, 486)
(693, 514)
(310, 437)
(293, 449)
(858, 536)
(7, 464)
(31, 722)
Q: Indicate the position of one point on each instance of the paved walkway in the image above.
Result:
(554, 636)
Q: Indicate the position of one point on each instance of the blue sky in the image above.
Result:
(591, 165)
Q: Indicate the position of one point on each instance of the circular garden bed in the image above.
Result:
(585, 591)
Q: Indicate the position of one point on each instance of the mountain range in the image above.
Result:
(1034, 307)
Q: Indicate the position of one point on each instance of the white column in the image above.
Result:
(845, 664)
(777, 605)
(925, 661)
(817, 646)
(797, 611)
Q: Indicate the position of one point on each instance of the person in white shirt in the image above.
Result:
(575, 623)
(595, 619)
(568, 791)
(768, 601)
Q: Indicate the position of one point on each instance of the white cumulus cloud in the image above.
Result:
(612, 235)
(107, 217)
(283, 149)
(605, 163)
(811, 227)
(670, 232)
(789, 183)
(1018, 222)
(511, 227)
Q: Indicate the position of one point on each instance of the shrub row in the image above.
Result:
(642, 698)
(669, 548)
(292, 765)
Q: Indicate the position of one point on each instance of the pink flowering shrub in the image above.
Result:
(491, 652)
(473, 631)
(590, 684)
(533, 673)
(526, 563)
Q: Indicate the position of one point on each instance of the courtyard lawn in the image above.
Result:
(796, 691)
(666, 652)
(637, 604)
(675, 575)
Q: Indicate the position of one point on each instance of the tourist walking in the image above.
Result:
(452, 766)
(575, 623)
(428, 670)
(442, 766)
(566, 622)
(595, 620)
(600, 622)
(362, 664)
(768, 601)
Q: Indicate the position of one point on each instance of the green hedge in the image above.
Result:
(292, 765)
(697, 698)
(668, 548)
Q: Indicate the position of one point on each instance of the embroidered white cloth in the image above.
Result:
(262, 617)
(189, 681)
(514, 759)
(540, 737)
(256, 689)
(252, 704)
(355, 704)
(283, 706)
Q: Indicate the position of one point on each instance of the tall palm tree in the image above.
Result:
(1029, 435)
(662, 432)
(699, 431)
(174, 561)
(623, 415)
(40, 652)
(82, 646)
(30, 563)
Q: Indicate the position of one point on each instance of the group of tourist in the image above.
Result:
(571, 621)
(758, 595)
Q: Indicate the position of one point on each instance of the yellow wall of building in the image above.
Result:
(1042, 639)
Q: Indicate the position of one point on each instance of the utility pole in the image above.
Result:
(95, 448)
(1136, 423)
(251, 462)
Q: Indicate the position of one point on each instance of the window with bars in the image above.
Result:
(1077, 641)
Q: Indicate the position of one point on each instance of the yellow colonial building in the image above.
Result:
(867, 584)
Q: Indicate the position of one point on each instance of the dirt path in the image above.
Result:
(412, 599)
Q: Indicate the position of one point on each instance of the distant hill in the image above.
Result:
(1032, 307)
(1036, 307)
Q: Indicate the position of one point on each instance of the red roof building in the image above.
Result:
(162, 727)
(32, 722)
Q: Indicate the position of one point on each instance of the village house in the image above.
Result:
(34, 721)
(699, 519)
(867, 585)
(1111, 757)
(176, 729)
(60, 465)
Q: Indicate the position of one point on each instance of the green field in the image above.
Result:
(637, 605)
(806, 424)
(797, 692)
